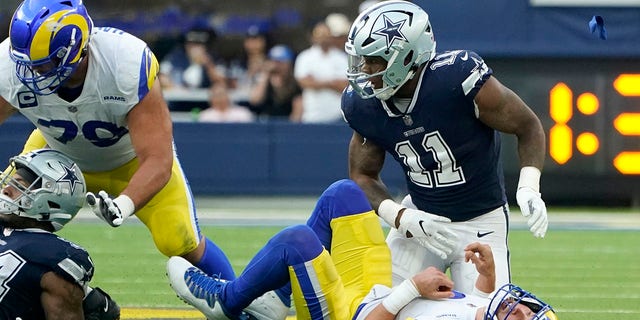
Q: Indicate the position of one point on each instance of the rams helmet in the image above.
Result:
(509, 296)
(48, 41)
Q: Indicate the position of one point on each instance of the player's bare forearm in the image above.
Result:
(61, 299)
(151, 132)
(503, 110)
(365, 163)
(531, 144)
(375, 190)
(380, 313)
(148, 180)
(482, 257)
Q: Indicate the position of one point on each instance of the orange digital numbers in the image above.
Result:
(628, 124)
(561, 135)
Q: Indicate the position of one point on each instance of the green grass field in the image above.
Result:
(583, 274)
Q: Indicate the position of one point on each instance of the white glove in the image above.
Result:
(533, 207)
(427, 229)
(530, 201)
(112, 211)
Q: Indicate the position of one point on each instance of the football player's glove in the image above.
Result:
(98, 305)
(530, 201)
(112, 211)
(533, 208)
(429, 230)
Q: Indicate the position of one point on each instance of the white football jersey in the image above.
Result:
(460, 307)
(92, 130)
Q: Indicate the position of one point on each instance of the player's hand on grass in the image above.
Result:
(112, 211)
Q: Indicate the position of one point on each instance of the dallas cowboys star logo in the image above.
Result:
(480, 66)
(69, 176)
(391, 30)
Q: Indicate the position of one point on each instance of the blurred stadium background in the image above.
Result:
(251, 179)
(584, 89)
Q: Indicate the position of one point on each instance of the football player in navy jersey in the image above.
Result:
(92, 93)
(440, 116)
(44, 276)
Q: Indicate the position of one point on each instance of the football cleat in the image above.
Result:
(197, 288)
(268, 307)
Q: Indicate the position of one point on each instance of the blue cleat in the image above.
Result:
(198, 289)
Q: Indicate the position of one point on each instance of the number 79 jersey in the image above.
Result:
(450, 158)
(92, 129)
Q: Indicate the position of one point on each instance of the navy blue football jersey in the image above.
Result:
(26, 255)
(450, 158)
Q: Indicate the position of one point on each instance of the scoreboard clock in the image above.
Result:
(590, 110)
(619, 121)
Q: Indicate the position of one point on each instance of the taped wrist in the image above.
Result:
(388, 211)
(125, 204)
(401, 296)
(529, 178)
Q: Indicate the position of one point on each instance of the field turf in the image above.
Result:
(584, 274)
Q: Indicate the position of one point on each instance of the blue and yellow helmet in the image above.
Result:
(505, 300)
(48, 40)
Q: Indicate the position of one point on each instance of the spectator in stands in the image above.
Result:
(277, 94)
(339, 25)
(364, 5)
(320, 71)
(243, 74)
(222, 109)
(191, 64)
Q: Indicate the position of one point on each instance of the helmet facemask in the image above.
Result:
(25, 184)
(506, 299)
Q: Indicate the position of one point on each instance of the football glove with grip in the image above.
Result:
(98, 305)
(112, 211)
(530, 201)
(427, 229)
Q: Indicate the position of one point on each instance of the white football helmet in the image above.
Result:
(56, 189)
(397, 31)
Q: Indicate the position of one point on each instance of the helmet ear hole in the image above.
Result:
(409, 58)
(54, 205)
